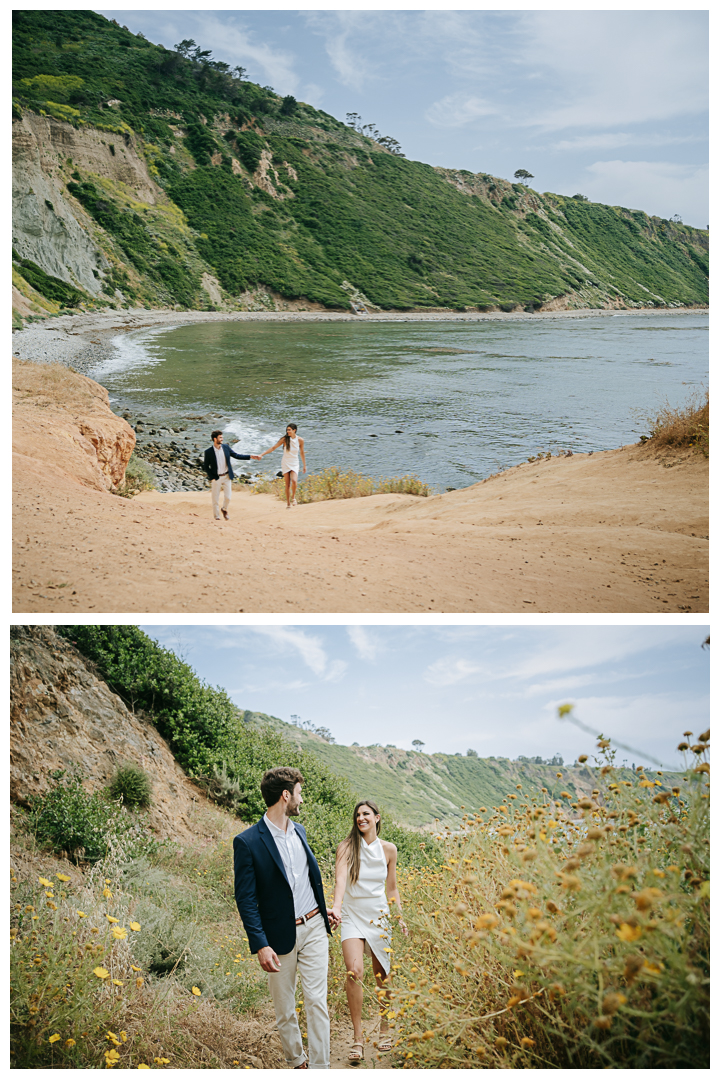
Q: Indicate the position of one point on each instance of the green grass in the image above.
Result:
(399, 231)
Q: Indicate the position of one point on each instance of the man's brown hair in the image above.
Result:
(275, 781)
(214, 434)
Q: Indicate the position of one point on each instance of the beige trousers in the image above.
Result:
(310, 959)
(224, 485)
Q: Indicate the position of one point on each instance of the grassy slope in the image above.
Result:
(405, 234)
(417, 788)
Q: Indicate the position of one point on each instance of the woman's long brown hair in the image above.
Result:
(353, 839)
(286, 437)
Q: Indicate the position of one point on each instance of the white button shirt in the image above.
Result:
(221, 460)
(295, 862)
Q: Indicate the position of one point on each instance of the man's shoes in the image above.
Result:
(225, 514)
(303, 1066)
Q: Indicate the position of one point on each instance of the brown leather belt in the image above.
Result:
(304, 918)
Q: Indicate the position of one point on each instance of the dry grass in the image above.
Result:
(561, 938)
(50, 384)
(332, 483)
(685, 425)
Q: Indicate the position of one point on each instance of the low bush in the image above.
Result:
(138, 477)
(553, 941)
(132, 785)
(50, 287)
(331, 483)
(682, 425)
(67, 818)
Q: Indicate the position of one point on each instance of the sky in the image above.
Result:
(609, 104)
(494, 689)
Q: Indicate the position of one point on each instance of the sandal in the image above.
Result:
(357, 1053)
(385, 1044)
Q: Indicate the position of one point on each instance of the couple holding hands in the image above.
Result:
(219, 471)
(279, 894)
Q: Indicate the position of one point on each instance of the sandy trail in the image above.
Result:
(620, 531)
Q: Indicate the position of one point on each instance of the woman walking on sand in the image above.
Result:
(290, 466)
(365, 880)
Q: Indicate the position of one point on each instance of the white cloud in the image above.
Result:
(456, 110)
(241, 46)
(309, 648)
(619, 66)
(343, 31)
(448, 671)
(658, 187)
(365, 646)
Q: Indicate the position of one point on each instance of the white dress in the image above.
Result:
(290, 461)
(365, 911)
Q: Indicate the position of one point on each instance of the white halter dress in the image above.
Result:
(365, 911)
(290, 462)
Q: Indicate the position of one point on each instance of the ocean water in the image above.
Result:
(450, 402)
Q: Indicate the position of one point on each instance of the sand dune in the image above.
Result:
(620, 531)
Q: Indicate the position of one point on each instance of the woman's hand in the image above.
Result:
(335, 915)
(403, 927)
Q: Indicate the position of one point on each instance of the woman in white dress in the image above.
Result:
(365, 886)
(293, 446)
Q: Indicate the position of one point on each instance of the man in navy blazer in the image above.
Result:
(279, 894)
(216, 464)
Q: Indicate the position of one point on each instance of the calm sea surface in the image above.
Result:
(451, 402)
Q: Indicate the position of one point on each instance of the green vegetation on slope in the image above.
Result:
(208, 735)
(284, 196)
(419, 788)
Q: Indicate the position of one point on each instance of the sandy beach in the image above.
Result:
(620, 531)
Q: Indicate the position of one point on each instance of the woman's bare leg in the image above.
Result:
(287, 487)
(353, 954)
(293, 482)
(382, 982)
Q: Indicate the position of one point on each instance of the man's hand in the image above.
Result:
(268, 959)
(256, 457)
(334, 917)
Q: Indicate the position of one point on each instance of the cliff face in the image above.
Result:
(64, 419)
(62, 715)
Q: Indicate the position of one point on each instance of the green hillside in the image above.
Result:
(417, 788)
(271, 196)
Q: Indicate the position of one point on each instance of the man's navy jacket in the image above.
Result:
(263, 893)
(210, 461)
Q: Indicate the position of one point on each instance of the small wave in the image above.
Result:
(251, 436)
(131, 351)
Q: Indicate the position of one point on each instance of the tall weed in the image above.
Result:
(548, 939)
(332, 483)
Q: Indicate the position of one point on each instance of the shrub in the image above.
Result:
(331, 483)
(138, 477)
(550, 941)
(50, 287)
(69, 819)
(131, 784)
(683, 425)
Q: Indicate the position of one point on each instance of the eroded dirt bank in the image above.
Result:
(620, 531)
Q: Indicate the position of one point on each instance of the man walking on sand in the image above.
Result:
(279, 894)
(216, 464)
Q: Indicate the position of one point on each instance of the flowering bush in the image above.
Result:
(558, 940)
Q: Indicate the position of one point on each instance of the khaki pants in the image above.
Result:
(224, 485)
(310, 959)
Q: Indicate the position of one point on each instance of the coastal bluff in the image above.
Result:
(624, 530)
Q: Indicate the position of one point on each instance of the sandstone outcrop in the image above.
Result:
(62, 715)
(63, 423)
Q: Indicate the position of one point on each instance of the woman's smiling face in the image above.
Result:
(366, 818)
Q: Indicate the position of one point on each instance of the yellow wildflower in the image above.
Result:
(69, 1042)
(116, 982)
(135, 926)
(101, 972)
(62, 877)
(54, 1038)
(139, 982)
(119, 933)
(626, 932)
(44, 881)
(82, 914)
(111, 918)
(141, 1066)
(196, 992)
